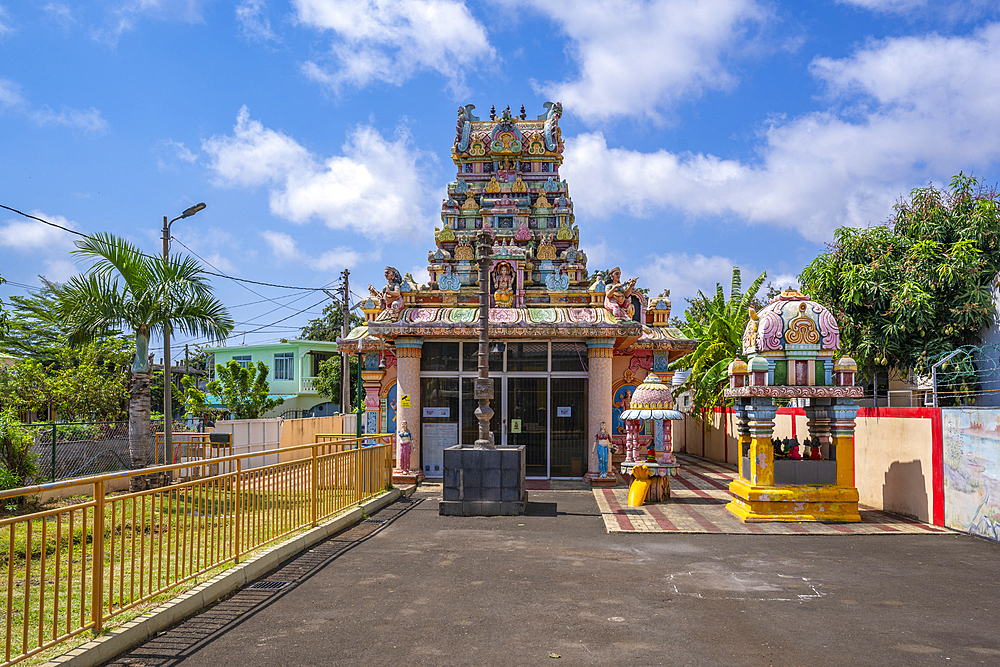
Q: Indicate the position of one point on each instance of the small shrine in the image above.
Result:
(789, 348)
(652, 466)
(566, 344)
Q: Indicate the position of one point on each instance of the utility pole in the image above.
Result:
(167, 404)
(345, 364)
(167, 378)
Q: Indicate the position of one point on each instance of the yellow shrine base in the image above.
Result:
(793, 502)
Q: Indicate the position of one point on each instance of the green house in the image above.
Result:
(292, 368)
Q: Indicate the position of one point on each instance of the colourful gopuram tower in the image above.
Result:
(567, 348)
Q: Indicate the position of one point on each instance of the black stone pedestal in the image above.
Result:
(484, 482)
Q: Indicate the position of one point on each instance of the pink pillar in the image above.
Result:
(408, 384)
(599, 359)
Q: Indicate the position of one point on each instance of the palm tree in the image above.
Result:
(128, 290)
(717, 325)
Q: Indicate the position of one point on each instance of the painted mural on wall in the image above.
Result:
(972, 471)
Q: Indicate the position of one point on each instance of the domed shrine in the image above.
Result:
(566, 346)
(789, 348)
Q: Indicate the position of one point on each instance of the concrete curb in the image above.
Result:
(125, 637)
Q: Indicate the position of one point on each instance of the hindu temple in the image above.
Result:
(568, 348)
(789, 348)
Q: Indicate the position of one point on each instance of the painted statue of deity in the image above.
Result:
(618, 297)
(404, 446)
(390, 298)
(602, 442)
(503, 281)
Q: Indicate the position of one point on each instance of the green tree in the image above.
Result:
(3, 316)
(127, 290)
(18, 465)
(328, 325)
(195, 400)
(83, 383)
(327, 382)
(921, 285)
(717, 324)
(36, 329)
(243, 390)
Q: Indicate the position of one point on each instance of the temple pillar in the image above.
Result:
(408, 390)
(599, 359)
(842, 433)
(372, 378)
(761, 454)
(743, 439)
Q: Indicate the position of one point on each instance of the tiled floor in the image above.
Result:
(699, 494)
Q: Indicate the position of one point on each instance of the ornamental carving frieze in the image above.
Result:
(769, 391)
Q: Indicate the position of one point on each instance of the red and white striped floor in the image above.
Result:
(698, 497)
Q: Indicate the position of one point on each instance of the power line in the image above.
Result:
(211, 273)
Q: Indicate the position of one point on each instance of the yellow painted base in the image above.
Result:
(640, 486)
(793, 502)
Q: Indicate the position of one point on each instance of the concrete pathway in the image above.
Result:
(554, 588)
(698, 497)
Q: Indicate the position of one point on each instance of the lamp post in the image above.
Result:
(167, 379)
(484, 385)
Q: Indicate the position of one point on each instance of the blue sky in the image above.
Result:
(699, 134)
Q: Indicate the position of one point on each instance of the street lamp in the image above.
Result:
(167, 376)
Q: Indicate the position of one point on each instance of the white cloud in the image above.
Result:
(254, 24)
(124, 15)
(60, 12)
(6, 22)
(392, 40)
(685, 275)
(89, 120)
(168, 152)
(49, 245)
(903, 111)
(11, 99)
(950, 10)
(286, 250)
(374, 188)
(638, 57)
(420, 274)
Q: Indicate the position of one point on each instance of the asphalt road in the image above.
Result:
(425, 589)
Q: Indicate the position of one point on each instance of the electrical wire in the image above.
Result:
(211, 273)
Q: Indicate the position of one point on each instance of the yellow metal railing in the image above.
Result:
(71, 569)
(188, 446)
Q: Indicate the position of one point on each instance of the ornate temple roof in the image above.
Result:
(791, 321)
(507, 185)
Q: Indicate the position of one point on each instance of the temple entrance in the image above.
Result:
(539, 401)
(548, 415)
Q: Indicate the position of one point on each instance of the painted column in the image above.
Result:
(818, 424)
(372, 378)
(761, 426)
(842, 431)
(599, 359)
(743, 439)
(408, 384)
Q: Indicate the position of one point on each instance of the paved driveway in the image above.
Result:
(425, 589)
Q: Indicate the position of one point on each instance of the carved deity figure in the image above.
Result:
(503, 280)
(602, 442)
(390, 298)
(404, 447)
(618, 297)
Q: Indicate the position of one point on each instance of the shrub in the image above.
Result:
(17, 461)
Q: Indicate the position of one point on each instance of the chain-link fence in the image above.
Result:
(77, 449)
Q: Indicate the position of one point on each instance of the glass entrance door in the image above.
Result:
(527, 421)
(569, 427)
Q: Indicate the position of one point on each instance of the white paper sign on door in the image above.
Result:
(564, 411)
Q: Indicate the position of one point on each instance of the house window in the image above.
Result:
(526, 167)
(468, 167)
(546, 166)
(284, 365)
(487, 167)
(243, 360)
